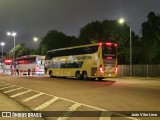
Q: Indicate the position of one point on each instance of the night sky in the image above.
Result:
(31, 18)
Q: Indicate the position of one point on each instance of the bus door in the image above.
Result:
(40, 66)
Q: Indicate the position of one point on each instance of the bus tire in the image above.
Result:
(17, 71)
(50, 73)
(29, 71)
(84, 75)
(92, 78)
(78, 75)
(100, 79)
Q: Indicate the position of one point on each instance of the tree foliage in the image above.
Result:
(109, 31)
(151, 39)
(20, 50)
(55, 40)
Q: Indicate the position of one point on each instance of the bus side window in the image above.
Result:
(57, 65)
(63, 65)
(80, 64)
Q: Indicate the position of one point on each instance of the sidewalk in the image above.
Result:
(7, 105)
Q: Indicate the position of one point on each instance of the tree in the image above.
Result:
(91, 33)
(73, 41)
(151, 39)
(20, 50)
(109, 31)
(55, 40)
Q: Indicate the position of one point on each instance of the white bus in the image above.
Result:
(7, 66)
(30, 64)
(83, 62)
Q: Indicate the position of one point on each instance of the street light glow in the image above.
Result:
(35, 39)
(121, 20)
(11, 34)
(8, 33)
(14, 34)
(2, 43)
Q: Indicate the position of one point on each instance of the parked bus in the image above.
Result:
(30, 64)
(7, 66)
(83, 62)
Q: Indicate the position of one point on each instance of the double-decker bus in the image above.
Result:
(30, 64)
(83, 62)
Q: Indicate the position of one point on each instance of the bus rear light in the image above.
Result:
(108, 44)
(116, 70)
(115, 45)
(101, 69)
(8, 61)
(109, 58)
(100, 44)
(37, 68)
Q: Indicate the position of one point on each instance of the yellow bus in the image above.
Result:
(83, 62)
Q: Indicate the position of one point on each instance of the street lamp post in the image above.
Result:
(130, 50)
(14, 35)
(2, 44)
(121, 21)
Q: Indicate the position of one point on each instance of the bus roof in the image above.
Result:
(73, 47)
(30, 56)
(79, 46)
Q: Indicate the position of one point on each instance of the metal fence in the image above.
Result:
(139, 70)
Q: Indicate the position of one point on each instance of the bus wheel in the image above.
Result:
(50, 74)
(84, 76)
(17, 71)
(100, 79)
(78, 75)
(29, 71)
(92, 78)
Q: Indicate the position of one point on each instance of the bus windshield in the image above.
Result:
(26, 60)
(109, 52)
